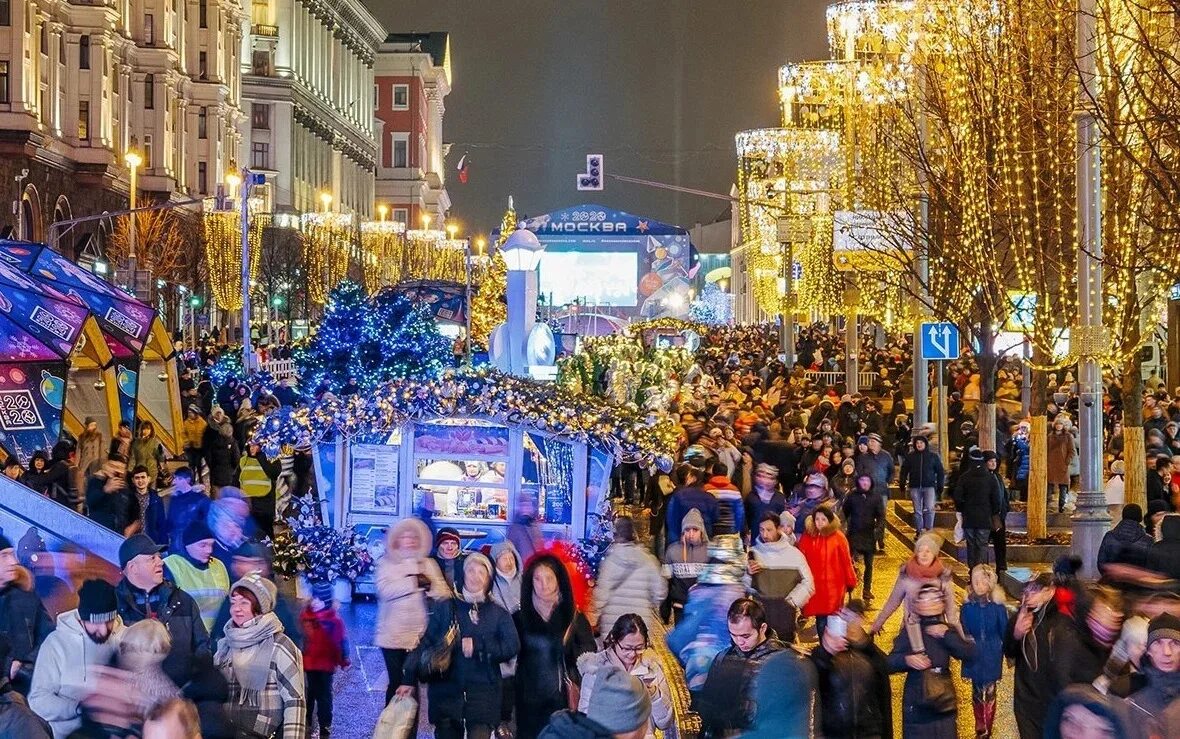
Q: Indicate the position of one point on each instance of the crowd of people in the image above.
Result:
(757, 577)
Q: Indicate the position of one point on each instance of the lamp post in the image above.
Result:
(522, 253)
(133, 159)
(245, 180)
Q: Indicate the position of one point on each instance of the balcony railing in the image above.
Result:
(261, 29)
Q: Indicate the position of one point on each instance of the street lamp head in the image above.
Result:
(426, 221)
(326, 199)
(233, 178)
(452, 229)
(480, 243)
(133, 158)
(522, 251)
(382, 211)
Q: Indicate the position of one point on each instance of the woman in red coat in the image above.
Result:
(826, 550)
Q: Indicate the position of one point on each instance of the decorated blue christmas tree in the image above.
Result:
(328, 356)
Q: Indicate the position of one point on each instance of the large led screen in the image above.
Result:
(596, 278)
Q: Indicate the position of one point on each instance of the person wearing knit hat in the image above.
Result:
(1160, 666)
(620, 708)
(262, 666)
(85, 637)
(924, 568)
(1128, 542)
(19, 606)
(467, 696)
(197, 572)
(448, 553)
(629, 579)
(879, 465)
(325, 649)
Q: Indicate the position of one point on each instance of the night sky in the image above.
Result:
(659, 87)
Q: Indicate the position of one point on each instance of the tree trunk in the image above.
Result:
(1038, 466)
(985, 423)
(1134, 445)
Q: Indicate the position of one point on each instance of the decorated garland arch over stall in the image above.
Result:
(470, 449)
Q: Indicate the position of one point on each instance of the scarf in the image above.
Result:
(914, 569)
(474, 599)
(249, 649)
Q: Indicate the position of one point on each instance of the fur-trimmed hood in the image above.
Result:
(563, 614)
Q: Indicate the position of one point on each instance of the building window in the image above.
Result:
(202, 175)
(84, 120)
(260, 116)
(260, 12)
(401, 150)
(260, 155)
(203, 123)
(5, 12)
(260, 62)
(149, 30)
(44, 40)
(203, 15)
(376, 96)
(3, 82)
(401, 97)
(147, 151)
(401, 215)
(203, 65)
(84, 52)
(149, 91)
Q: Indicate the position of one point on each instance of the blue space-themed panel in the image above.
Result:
(32, 396)
(127, 380)
(32, 315)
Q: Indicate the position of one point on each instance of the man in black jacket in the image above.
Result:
(108, 501)
(143, 593)
(1128, 542)
(863, 511)
(855, 695)
(922, 471)
(22, 618)
(977, 498)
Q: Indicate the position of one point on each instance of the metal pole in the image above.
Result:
(467, 309)
(851, 343)
(787, 337)
(247, 348)
(192, 320)
(134, 240)
(940, 394)
(921, 368)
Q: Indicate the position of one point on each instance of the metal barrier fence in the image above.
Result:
(831, 379)
(280, 368)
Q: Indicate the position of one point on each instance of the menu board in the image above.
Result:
(374, 478)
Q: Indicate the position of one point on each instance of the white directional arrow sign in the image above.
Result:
(940, 341)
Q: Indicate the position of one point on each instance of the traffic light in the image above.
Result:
(592, 178)
(278, 301)
(196, 301)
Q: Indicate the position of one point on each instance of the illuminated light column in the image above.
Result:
(522, 253)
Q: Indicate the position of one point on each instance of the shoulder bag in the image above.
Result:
(434, 659)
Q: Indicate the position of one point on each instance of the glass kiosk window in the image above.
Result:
(460, 469)
(374, 473)
(547, 476)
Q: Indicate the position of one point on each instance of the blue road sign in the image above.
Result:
(940, 341)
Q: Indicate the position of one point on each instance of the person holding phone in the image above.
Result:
(853, 679)
(628, 647)
(1027, 642)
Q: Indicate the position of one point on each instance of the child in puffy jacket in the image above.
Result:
(325, 648)
(984, 619)
(684, 561)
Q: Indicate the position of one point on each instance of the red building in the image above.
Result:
(412, 78)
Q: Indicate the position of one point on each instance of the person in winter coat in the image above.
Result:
(684, 561)
(627, 646)
(928, 643)
(826, 550)
(621, 709)
(221, 450)
(197, 572)
(855, 697)
(91, 449)
(144, 594)
(22, 618)
(553, 635)
(1114, 489)
(985, 620)
(466, 698)
(629, 580)
(121, 444)
(781, 579)
(764, 498)
(251, 557)
(406, 577)
(1083, 711)
(506, 593)
(726, 702)
(193, 433)
(1060, 454)
(923, 475)
(264, 668)
(50, 479)
(1028, 642)
(147, 450)
(524, 532)
(1018, 461)
(108, 502)
(448, 555)
(844, 481)
(189, 503)
(257, 476)
(924, 568)
(877, 464)
(784, 696)
(1164, 555)
(978, 498)
(16, 718)
(84, 637)
(1128, 543)
(151, 515)
(688, 495)
(862, 511)
(731, 512)
(1159, 701)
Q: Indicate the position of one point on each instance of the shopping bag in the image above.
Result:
(397, 720)
(959, 538)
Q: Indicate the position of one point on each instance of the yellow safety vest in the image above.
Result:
(208, 587)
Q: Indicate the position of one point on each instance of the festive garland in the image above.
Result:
(623, 431)
(668, 323)
(319, 552)
(618, 367)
